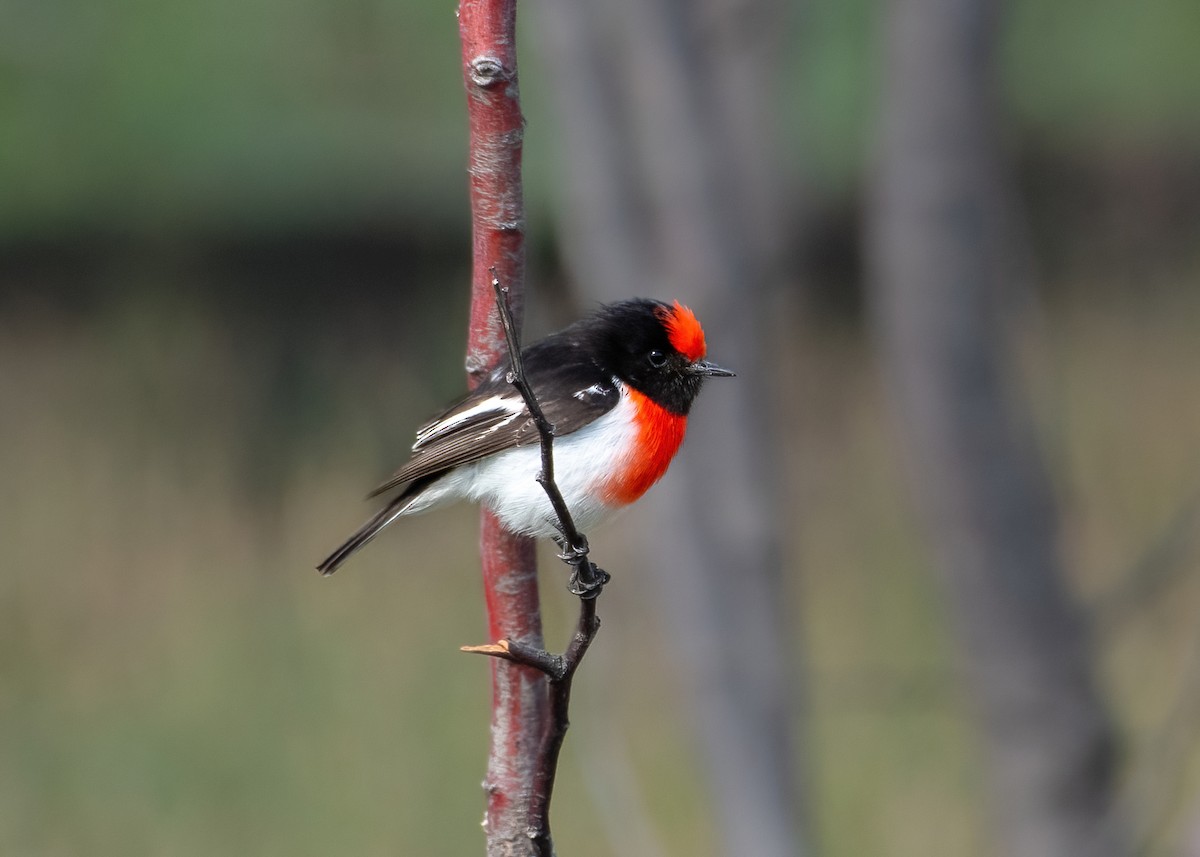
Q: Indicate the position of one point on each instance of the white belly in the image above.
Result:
(507, 482)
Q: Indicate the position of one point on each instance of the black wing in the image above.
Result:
(572, 393)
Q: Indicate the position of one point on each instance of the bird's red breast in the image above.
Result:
(659, 434)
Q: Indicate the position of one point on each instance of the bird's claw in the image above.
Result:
(587, 580)
(574, 554)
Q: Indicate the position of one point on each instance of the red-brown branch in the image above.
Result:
(531, 689)
(520, 703)
(487, 30)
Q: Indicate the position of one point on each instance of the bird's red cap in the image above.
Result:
(684, 331)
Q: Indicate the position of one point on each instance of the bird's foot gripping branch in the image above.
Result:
(587, 579)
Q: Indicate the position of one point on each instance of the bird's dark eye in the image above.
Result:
(657, 359)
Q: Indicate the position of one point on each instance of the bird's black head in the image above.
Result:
(656, 348)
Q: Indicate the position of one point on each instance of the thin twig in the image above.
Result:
(587, 581)
(1160, 565)
(561, 671)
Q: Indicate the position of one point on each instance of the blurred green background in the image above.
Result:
(233, 258)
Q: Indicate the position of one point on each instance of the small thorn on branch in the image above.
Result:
(554, 666)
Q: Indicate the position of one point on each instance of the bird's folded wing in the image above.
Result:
(494, 418)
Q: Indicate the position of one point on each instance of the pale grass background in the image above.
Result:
(175, 679)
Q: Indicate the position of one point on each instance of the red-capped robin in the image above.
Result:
(617, 387)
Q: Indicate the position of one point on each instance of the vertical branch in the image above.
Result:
(487, 29)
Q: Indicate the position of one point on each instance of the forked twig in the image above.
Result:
(587, 581)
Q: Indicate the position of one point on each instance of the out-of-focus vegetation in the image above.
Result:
(177, 680)
(121, 115)
(232, 242)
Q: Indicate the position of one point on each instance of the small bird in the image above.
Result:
(617, 387)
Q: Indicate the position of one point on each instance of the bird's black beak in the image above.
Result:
(703, 367)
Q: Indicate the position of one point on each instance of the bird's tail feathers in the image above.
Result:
(393, 510)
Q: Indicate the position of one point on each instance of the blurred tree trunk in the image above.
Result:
(674, 188)
(940, 249)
